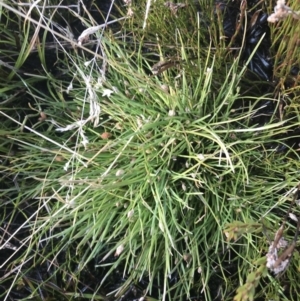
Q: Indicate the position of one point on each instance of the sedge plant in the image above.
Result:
(164, 180)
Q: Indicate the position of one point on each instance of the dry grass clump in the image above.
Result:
(281, 12)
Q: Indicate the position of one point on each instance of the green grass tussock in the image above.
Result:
(167, 180)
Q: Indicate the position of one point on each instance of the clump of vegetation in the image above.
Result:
(140, 163)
